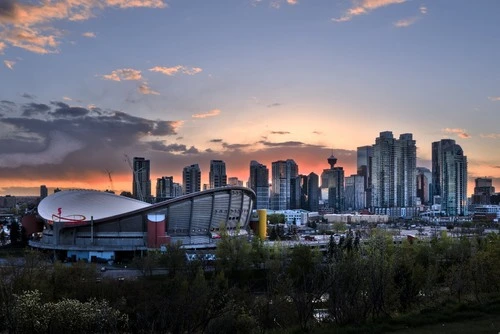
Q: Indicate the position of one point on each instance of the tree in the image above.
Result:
(14, 233)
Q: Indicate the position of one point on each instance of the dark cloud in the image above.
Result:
(272, 105)
(215, 140)
(7, 9)
(234, 146)
(317, 132)
(74, 139)
(67, 111)
(28, 96)
(31, 109)
(7, 106)
(280, 132)
(173, 148)
(288, 144)
(495, 166)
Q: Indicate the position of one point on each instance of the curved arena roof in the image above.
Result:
(81, 205)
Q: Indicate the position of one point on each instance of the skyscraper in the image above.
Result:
(43, 191)
(449, 176)
(313, 192)
(282, 173)
(217, 175)
(394, 171)
(259, 183)
(164, 188)
(333, 180)
(483, 190)
(364, 164)
(406, 155)
(355, 192)
(141, 184)
(191, 179)
(424, 185)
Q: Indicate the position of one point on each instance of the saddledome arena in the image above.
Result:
(93, 225)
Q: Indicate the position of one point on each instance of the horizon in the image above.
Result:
(183, 82)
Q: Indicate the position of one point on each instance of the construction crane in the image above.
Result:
(137, 183)
(112, 187)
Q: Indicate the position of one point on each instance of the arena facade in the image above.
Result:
(93, 225)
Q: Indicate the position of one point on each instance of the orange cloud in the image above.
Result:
(491, 135)
(406, 22)
(364, 7)
(171, 71)
(211, 113)
(494, 98)
(123, 74)
(17, 19)
(459, 132)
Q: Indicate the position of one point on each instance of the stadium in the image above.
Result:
(93, 225)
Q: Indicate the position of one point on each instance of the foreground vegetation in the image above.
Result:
(250, 288)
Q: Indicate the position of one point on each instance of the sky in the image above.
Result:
(84, 84)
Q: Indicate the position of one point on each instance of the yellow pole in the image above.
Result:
(262, 223)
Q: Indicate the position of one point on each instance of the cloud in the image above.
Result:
(406, 22)
(211, 113)
(490, 135)
(89, 34)
(2, 47)
(287, 144)
(173, 148)
(364, 7)
(171, 71)
(276, 104)
(215, 140)
(280, 132)
(275, 3)
(27, 25)
(28, 96)
(292, 2)
(9, 64)
(63, 135)
(32, 109)
(423, 10)
(459, 132)
(494, 98)
(234, 147)
(317, 132)
(66, 98)
(144, 89)
(123, 74)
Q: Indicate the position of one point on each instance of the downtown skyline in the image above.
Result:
(86, 82)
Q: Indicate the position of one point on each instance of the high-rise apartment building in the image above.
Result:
(191, 179)
(364, 164)
(393, 171)
(406, 155)
(164, 188)
(43, 191)
(217, 175)
(233, 181)
(424, 185)
(449, 176)
(282, 173)
(313, 192)
(259, 183)
(483, 190)
(141, 184)
(333, 180)
(355, 192)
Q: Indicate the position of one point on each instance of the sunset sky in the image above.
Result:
(85, 82)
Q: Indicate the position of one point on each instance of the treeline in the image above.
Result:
(252, 288)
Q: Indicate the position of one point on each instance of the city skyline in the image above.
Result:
(183, 83)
